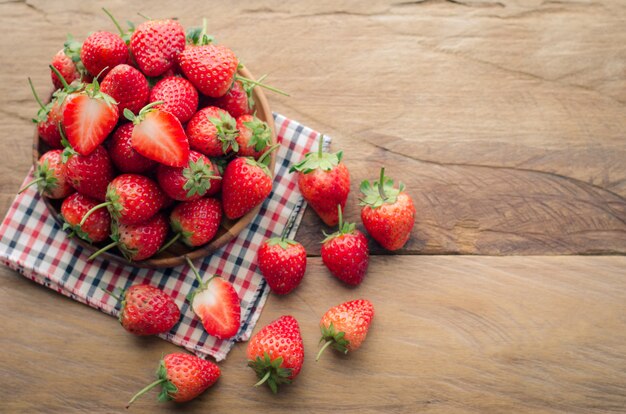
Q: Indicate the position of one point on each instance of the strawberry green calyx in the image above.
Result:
(312, 161)
(251, 84)
(44, 179)
(270, 372)
(344, 228)
(264, 161)
(381, 192)
(198, 36)
(77, 231)
(201, 284)
(72, 48)
(67, 89)
(93, 91)
(136, 119)
(334, 339)
(168, 389)
(112, 204)
(227, 131)
(282, 242)
(68, 151)
(199, 175)
(261, 134)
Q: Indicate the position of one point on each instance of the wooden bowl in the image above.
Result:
(175, 254)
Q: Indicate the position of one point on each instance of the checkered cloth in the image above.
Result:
(32, 243)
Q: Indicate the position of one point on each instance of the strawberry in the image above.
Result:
(217, 305)
(324, 182)
(124, 156)
(213, 132)
(136, 241)
(345, 326)
(147, 310)
(155, 45)
(237, 101)
(95, 229)
(282, 263)
(198, 178)
(89, 174)
(345, 253)
(388, 213)
(276, 352)
(178, 95)
(50, 176)
(254, 136)
(48, 119)
(182, 377)
(127, 86)
(159, 136)
(66, 66)
(196, 222)
(102, 51)
(246, 183)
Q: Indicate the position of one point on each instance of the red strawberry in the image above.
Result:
(196, 222)
(133, 198)
(89, 174)
(324, 182)
(199, 178)
(66, 66)
(48, 119)
(147, 310)
(95, 229)
(137, 241)
(178, 95)
(182, 377)
(213, 132)
(345, 253)
(345, 326)
(254, 136)
(102, 51)
(127, 86)
(217, 305)
(155, 45)
(50, 176)
(246, 183)
(123, 155)
(237, 101)
(159, 136)
(388, 213)
(282, 263)
(276, 352)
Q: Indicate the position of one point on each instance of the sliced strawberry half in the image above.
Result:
(159, 136)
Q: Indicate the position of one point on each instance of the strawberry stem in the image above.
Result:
(203, 32)
(320, 146)
(326, 345)
(104, 249)
(145, 390)
(265, 378)
(119, 28)
(195, 271)
(169, 243)
(143, 15)
(32, 88)
(60, 77)
(90, 212)
(257, 83)
(35, 181)
(381, 189)
(266, 153)
(111, 294)
(340, 217)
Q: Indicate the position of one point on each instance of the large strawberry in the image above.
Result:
(102, 51)
(246, 183)
(178, 95)
(213, 132)
(159, 136)
(66, 66)
(344, 327)
(196, 222)
(124, 156)
(217, 305)
(182, 377)
(345, 253)
(276, 352)
(388, 213)
(282, 263)
(127, 86)
(95, 229)
(198, 178)
(89, 174)
(254, 136)
(155, 45)
(50, 176)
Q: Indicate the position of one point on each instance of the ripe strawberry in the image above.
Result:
(237, 101)
(254, 136)
(178, 95)
(345, 326)
(388, 213)
(324, 182)
(182, 377)
(102, 51)
(217, 305)
(133, 198)
(48, 119)
(89, 174)
(147, 310)
(50, 176)
(246, 183)
(213, 132)
(127, 86)
(198, 178)
(124, 156)
(155, 45)
(66, 66)
(196, 222)
(95, 229)
(345, 253)
(276, 352)
(282, 263)
(159, 136)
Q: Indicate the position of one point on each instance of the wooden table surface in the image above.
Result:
(507, 122)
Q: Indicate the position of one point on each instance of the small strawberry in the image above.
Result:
(213, 132)
(159, 136)
(102, 51)
(89, 174)
(66, 66)
(246, 183)
(197, 179)
(276, 352)
(237, 101)
(124, 156)
(48, 119)
(127, 86)
(217, 305)
(345, 326)
(95, 229)
(50, 176)
(155, 45)
(254, 136)
(178, 95)
(324, 182)
(146, 310)
(388, 213)
(182, 377)
(282, 263)
(345, 253)
(196, 222)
